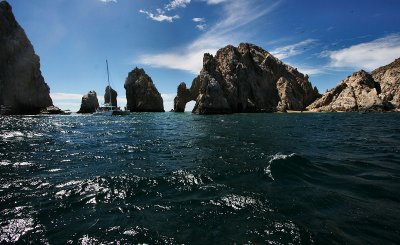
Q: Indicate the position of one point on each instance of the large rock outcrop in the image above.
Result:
(113, 94)
(22, 87)
(358, 92)
(389, 79)
(141, 94)
(246, 79)
(89, 103)
(378, 91)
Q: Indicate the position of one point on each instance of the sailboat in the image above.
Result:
(108, 109)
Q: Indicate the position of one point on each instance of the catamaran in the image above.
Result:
(108, 109)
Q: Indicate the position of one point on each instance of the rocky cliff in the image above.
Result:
(141, 94)
(246, 79)
(389, 79)
(89, 103)
(22, 87)
(113, 94)
(379, 91)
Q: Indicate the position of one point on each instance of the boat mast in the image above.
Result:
(109, 86)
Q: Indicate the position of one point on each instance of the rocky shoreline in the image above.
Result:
(243, 79)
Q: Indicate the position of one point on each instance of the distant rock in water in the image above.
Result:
(113, 94)
(89, 103)
(389, 79)
(141, 94)
(364, 92)
(22, 87)
(246, 79)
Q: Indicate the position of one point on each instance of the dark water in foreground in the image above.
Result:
(168, 178)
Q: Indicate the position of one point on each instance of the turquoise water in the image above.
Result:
(166, 178)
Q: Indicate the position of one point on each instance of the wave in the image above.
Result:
(291, 166)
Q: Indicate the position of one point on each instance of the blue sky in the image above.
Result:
(328, 40)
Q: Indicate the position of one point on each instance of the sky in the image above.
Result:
(328, 40)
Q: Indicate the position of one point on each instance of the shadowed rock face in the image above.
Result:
(114, 95)
(141, 94)
(246, 79)
(389, 79)
(364, 92)
(89, 103)
(22, 87)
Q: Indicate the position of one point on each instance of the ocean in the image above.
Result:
(179, 178)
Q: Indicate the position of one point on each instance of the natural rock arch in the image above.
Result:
(245, 79)
(184, 95)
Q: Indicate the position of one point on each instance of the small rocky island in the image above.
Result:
(110, 92)
(378, 91)
(89, 103)
(22, 86)
(246, 79)
(141, 93)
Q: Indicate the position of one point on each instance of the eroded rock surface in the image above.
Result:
(358, 92)
(22, 86)
(89, 103)
(141, 93)
(246, 79)
(378, 91)
(389, 79)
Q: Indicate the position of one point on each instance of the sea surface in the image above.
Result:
(178, 178)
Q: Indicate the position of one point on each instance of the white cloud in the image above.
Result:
(201, 27)
(177, 4)
(160, 17)
(108, 1)
(199, 20)
(235, 14)
(367, 56)
(65, 96)
(67, 101)
(211, 2)
(293, 49)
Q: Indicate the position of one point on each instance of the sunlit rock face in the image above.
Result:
(141, 93)
(246, 79)
(389, 79)
(378, 91)
(22, 87)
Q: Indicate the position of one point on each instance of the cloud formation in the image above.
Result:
(161, 13)
(211, 2)
(293, 49)
(201, 27)
(160, 17)
(177, 4)
(108, 1)
(199, 20)
(367, 56)
(235, 14)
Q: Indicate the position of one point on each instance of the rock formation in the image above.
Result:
(141, 94)
(364, 92)
(89, 103)
(389, 79)
(358, 92)
(246, 79)
(113, 94)
(22, 87)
